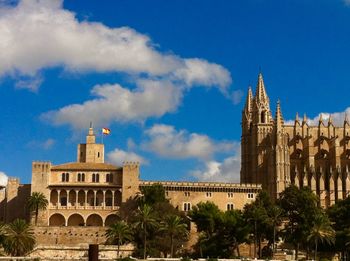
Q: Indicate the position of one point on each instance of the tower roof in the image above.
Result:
(249, 100)
(260, 93)
(279, 117)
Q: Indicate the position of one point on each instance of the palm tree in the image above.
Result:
(37, 201)
(321, 232)
(173, 226)
(145, 221)
(275, 215)
(19, 238)
(119, 233)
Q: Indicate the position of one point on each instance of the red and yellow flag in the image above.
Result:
(106, 131)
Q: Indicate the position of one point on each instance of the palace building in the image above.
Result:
(276, 155)
(87, 194)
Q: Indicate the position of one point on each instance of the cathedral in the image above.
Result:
(275, 154)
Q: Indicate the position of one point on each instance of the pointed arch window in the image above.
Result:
(263, 117)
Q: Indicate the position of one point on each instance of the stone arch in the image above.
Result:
(63, 197)
(94, 220)
(108, 199)
(81, 198)
(54, 197)
(72, 197)
(75, 220)
(117, 198)
(99, 198)
(57, 220)
(111, 219)
(90, 198)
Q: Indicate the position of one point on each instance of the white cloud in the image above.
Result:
(37, 34)
(118, 156)
(226, 171)
(46, 145)
(166, 141)
(30, 83)
(337, 118)
(3, 179)
(115, 103)
(237, 96)
(346, 2)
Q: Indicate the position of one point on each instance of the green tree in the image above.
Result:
(19, 238)
(37, 201)
(119, 233)
(321, 231)
(173, 226)
(145, 220)
(275, 216)
(153, 194)
(299, 208)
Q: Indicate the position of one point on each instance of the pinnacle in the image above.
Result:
(279, 117)
(260, 93)
(249, 100)
(297, 117)
(304, 118)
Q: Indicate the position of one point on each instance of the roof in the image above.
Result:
(85, 166)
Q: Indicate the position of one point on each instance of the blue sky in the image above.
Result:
(168, 78)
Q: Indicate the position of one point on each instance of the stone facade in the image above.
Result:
(87, 194)
(276, 155)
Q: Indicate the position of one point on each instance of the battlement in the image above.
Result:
(131, 163)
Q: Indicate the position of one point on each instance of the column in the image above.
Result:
(113, 198)
(58, 197)
(95, 198)
(104, 199)
(85, 198)
(68, 202)
(76, 198)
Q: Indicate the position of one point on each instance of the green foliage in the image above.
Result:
(19, 238)
(119, 233)
(300, 209)
(153, 194)
(37, 201)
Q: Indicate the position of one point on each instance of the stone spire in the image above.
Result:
(320, 121)
(304, 118)
(249, 101)
(279, 118)
(297, 119)
(91, 138)
(330, 120)
(346, 120)
(260, 93)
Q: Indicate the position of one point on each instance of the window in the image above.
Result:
(109, 177)
(79, 177)
(63, 201)
(65, 177)
(98, 154)
(263, 116)
(187, 194)
(95, 177)
(208, 194)
(186, 206)
(230, 206)
(250, 195)
(230, 195)
(83, 177)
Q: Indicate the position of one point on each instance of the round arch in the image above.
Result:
(54, 197)
(57, 220)
(94, 220)
(75, 220)
(111, 219)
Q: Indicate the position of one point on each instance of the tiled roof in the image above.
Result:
(85, 166)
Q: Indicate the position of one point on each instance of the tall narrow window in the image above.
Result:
(263, 117)
(93, 177)
(107, 178)
(67, 177)
(63, 177)
(79, 177)
(83, 177)
(97, 177)
(111, 177)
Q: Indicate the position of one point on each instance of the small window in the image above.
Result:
(79, 177)
(107, 177)
(93, 177)
(97, 177)
(98, 154)
(186, 206)
(230, 206)
(83, 177)
(230, 195)
(111, 177)
(187, 194)
(263, 117)
(208, 194)
(65, 177)
(250, 195)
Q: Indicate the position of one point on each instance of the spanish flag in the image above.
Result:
(106, 131)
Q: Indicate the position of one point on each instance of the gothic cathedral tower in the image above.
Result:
(264, 143)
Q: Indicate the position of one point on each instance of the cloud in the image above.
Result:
(118, 156)
(38, 34)
(237, 96)
(30, 83)
(46, 145)
(115, 103)
(337, 118)
(346, 2)
(3, 179)
(226, 171)
(167, 142)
